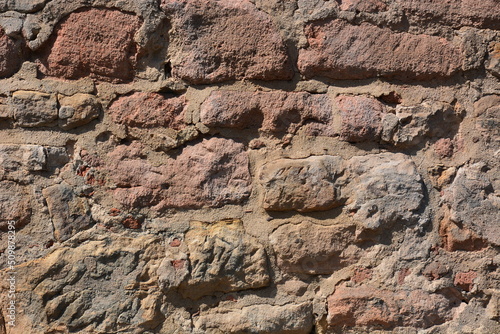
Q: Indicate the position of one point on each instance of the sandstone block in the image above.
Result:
(18, 160)
(225, 40)
(361, 118)
(272, 112)
(78, 110)
(370, 6)
(32, 109)
(222, 257)
(286, 319)
(148, 110)
(69, 214)
(10, 54)
(313, 249)
(339, 50)
(14, 205)
(372, 308)
(94, 42)
(302, 184)
(386, 189)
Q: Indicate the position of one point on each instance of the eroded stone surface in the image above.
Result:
(10, 54)
(272, 112)
(225, 40)
(361, 118)
(342, 51)
(313, 249)
(148, 110)
(33, 109)
(94, 42)
(14, 205)
(78, 110)
(221, 257)
(302, 184)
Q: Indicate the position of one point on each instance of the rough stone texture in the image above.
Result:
(271, 112)
(78, 110)
(95, 42)
(302, 184)
(223, 40)
(32, 109)
(221, 257)
(313, 249)
(454, 12)
(339, 50)
(148, 110)
(387, 190)
(372, 308)
(473, 203)
(287, 319)
(361, 118)
(10, 54)
(252, 166)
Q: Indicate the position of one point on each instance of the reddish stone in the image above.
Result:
(455, 237)
(402, 275)
(456, 13)
(114, 212)
(273, 112)
(361, 274)
(10, 55)
(465, 280)
(225, 40)
(361, 118)
(342, 51)
(371, 6)
(131, 223)
(444, 148)
(383, 309)
(94, 42)
(435, 271)
(175, 243)
(148, 110)
(178, 264)
(14, 205)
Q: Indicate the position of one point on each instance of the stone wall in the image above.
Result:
(250, 166)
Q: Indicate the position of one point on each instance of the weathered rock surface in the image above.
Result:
(94, 42)
(361, 118)
(473, 203)
(221, 258)
(286, 319)
(222, 40)
(387, 190)
(313, 249)
(32, 109)
(10, 54)
(271, 112)
(78, 110)
(339, 50)
(14, 205)
(372, 308)
(148, 110)
(302, 184)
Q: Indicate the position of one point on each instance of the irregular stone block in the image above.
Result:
(313, 249)
(493, 63)
(23, 6)
(33, 109)
(78, 110)
(16, 157)
(370, 6)
(302, 184)
(457, 13)
(273, 112)
(222, 257)
(14, 205)
(361, 118)
(386, 189)
(148, 110)
(382, 309)
(472, 203)
(487, 112)
(339, 50)
(286, 319)
(224, 40)
(69, 214)
(10, 54)
(94, 42)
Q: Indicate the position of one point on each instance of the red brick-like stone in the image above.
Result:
(361, 118)
(272, 112)
(342, 51)
(484, 13)
(94, 42)
(148, 110)
(225, 40)
(372, 308)
(10, 55)
(465, 280)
